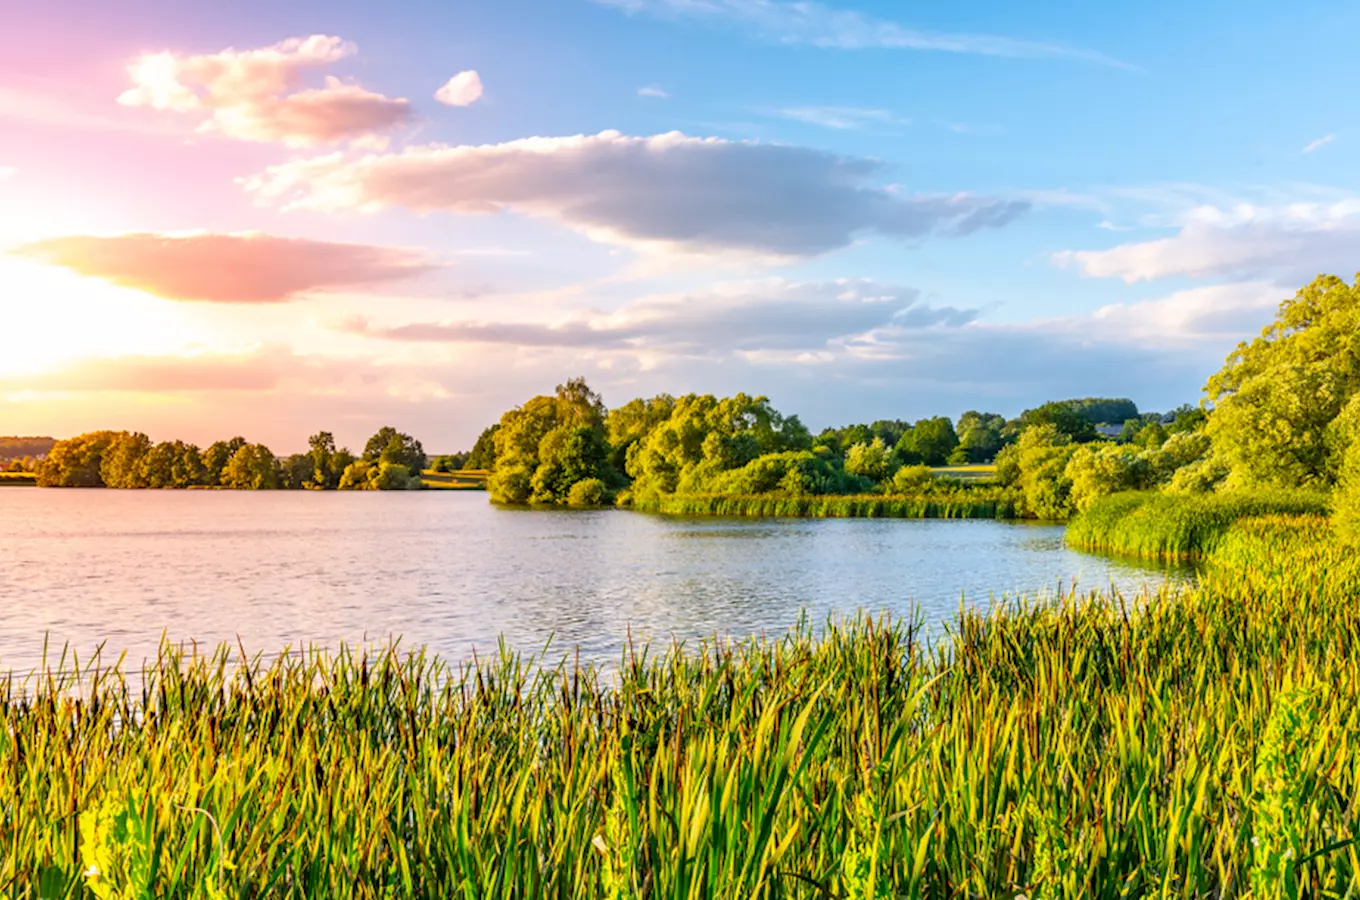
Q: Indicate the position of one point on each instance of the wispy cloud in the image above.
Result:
(814, 24)
(841, 118)
(656, 93)
(226, 268)
(1319, 143)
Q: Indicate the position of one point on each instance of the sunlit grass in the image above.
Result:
(18, 478)
(462, 480)
(959, 503)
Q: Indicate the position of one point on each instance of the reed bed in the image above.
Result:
(962, 503)
(1195, 743)
(1164, 526)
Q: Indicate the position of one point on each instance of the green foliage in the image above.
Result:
(1099, 470)
(792, 473)
(483, 455)
(77, 461)
(705, 436)
(930, 441)
(1103, 410)
(1275, 398)
(1036, 465)
(980, 438)
(1286, 775)
(936, 503)
(1346, 512)
(874, 460)
(589, 492)
(1063, 416)
(173, 464)
(216, 457)
(251, 468)
(451, 462)
(630, 424)
(549, 444)
(121, 465)
(396, 448)
(911, 480)
(362, 475)
(1179, 526)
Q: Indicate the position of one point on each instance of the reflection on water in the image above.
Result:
(449, 571)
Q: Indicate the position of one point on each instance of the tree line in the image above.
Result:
(391, 460)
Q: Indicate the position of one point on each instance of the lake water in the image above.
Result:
(449, 571)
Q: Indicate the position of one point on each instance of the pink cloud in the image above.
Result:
(258, 95)
(226, 268)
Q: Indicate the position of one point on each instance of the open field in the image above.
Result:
(966, 473)
(1200, 743)
(461, 480)
(17, 478)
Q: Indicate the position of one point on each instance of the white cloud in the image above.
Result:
(1243, 241)
(258, 95)
(7, 172)
(1319, 143)
(669, 192)
(843, 118)
(810, 23)
(463, 89)
(653, 91)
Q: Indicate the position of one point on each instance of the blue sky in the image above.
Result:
(861, 209)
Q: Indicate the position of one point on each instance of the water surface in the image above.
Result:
(449, 571)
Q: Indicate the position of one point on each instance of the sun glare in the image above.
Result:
(74, 317)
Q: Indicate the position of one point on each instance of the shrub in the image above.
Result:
(590, 492)
(912, 479)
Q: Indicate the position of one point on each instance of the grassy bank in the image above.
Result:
(1196, 745)
(18, 478)
(1153, 525)
(461, 480)
(964, 503)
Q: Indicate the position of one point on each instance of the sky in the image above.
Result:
(271, 219)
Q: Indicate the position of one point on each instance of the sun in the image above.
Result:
(49, 316)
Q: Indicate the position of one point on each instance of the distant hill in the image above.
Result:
(17, 447)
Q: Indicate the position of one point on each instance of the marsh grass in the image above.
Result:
(1097, 746)
(957, 503)
(1166, 526)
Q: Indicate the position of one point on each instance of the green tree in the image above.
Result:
(216, 457)
(483, 455)
(980, 436)
(549, 444)
(121, 465)
(1099, 470)
(1276, 397)
(631, 424)
(76, 462)
(391, 446)
(873, 460)
(172, 464)
(1036, 465)
(251, 468)
(1062, 416)
(930, 441)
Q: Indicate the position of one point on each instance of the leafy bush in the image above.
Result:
(590, 492)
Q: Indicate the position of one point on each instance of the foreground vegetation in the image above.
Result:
(1203, 744)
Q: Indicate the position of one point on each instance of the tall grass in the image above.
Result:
(1155, 525)
(1199, 743)
(962, 503)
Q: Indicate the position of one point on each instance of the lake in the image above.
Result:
(449, 571)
